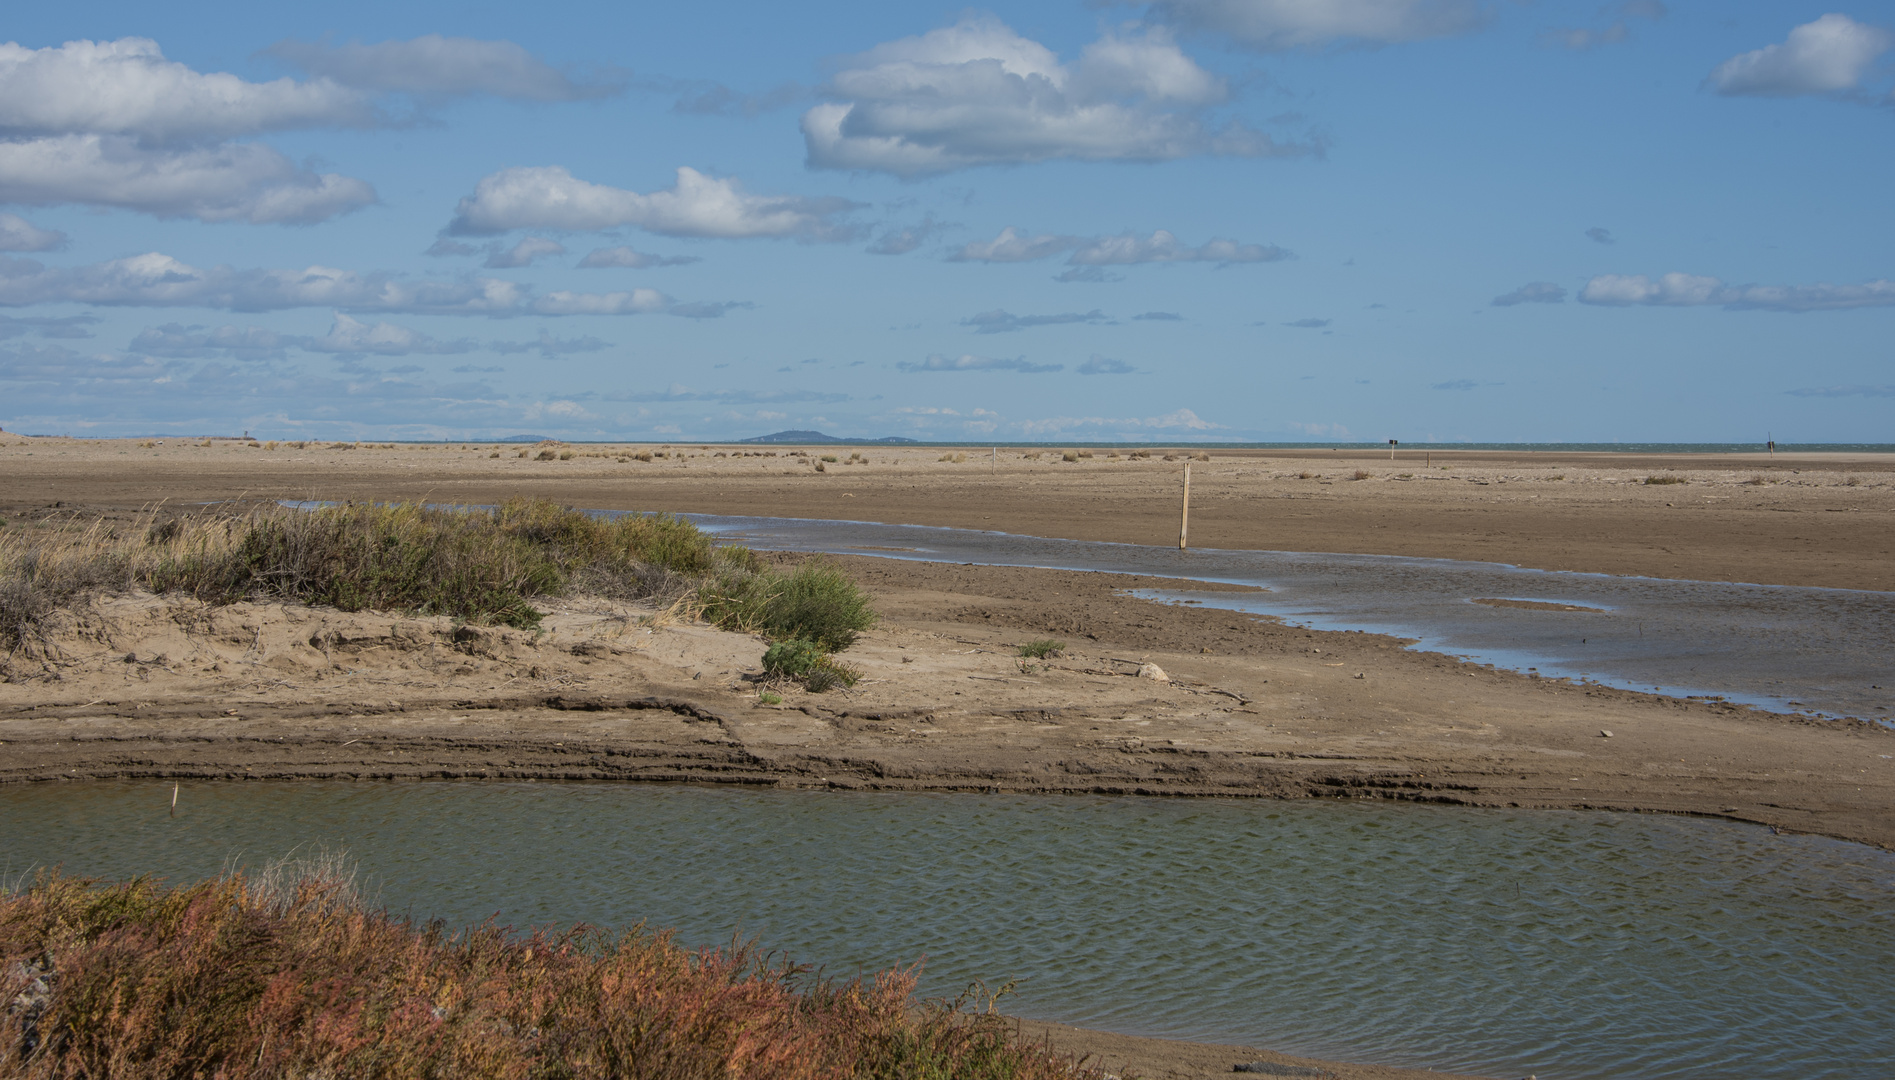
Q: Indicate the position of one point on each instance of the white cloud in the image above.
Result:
(433, 65)
(549, 197)
(966, 362)
(548, 345)
(18, 234)
(1177, 420)
(1690, 290)
(523, 253)
(1011, 247)
(1105, 365)
(976, 93)
(1163, 247)
(1129, 249)
(626, 258)
(633, 302)
(902, 241)
(157, 280)
(1533, 292)
(127, 87)
(1828, 56)
(351, 337)
(226, 182)
(1275, 25)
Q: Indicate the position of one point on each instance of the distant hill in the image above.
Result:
(527, 438)
(819, 437)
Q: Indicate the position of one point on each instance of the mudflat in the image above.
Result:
(1791, 519)
(1143, 698)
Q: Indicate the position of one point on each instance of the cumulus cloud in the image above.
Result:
(976, 93)
(18, 234)
(436, 66)
(1105, 365)
(223, 182)
(127, 87)
(62, 326)
(1011, 247)
(623, 257)
(549, 197)
(355, 338)
(523, 253)
(1691, 290)
(1533, 292)
(1828, 56)
(157, 280)
(631, 302)
(1001, 322)
(966, 362)
(1276, 25)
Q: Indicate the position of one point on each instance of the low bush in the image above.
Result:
(815, 602)
(1043, 649)
(1364, 474)
(808, 663)
(1665, 479)
(243, 979)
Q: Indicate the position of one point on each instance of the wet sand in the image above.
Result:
(143, 687)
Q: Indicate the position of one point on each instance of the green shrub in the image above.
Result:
(1666, 479)
(819, 602)
(793, 659)
(1043, 649)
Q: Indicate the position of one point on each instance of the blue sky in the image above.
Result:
(1191, 220)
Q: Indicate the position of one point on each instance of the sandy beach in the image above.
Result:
(1242, 707)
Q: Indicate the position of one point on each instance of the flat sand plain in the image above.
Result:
(146, 687)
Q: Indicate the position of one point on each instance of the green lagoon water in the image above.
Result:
(1575, 946)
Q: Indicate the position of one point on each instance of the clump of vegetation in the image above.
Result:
(483, 566)
(246, 979)
(1306, 475)
(1070, 456)
(815, 602)
(1756, 481)
(1043, 649)
(1363, 474)
(1665, 479)
(768, 697)
(1200, 456)
(809, 663)
(830, 458)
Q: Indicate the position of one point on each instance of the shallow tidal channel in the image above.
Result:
(1575, 946)
(1826, 652)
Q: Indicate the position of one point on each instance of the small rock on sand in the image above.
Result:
(1150, 670)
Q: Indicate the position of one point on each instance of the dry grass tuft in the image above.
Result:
(244, 979)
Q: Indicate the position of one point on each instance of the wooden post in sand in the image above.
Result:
(1184, 518)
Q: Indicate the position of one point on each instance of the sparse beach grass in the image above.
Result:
(247, 978)
(483, 566)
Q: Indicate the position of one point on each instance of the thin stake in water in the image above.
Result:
(174, 800)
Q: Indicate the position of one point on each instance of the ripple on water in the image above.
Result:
(1571, 945)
